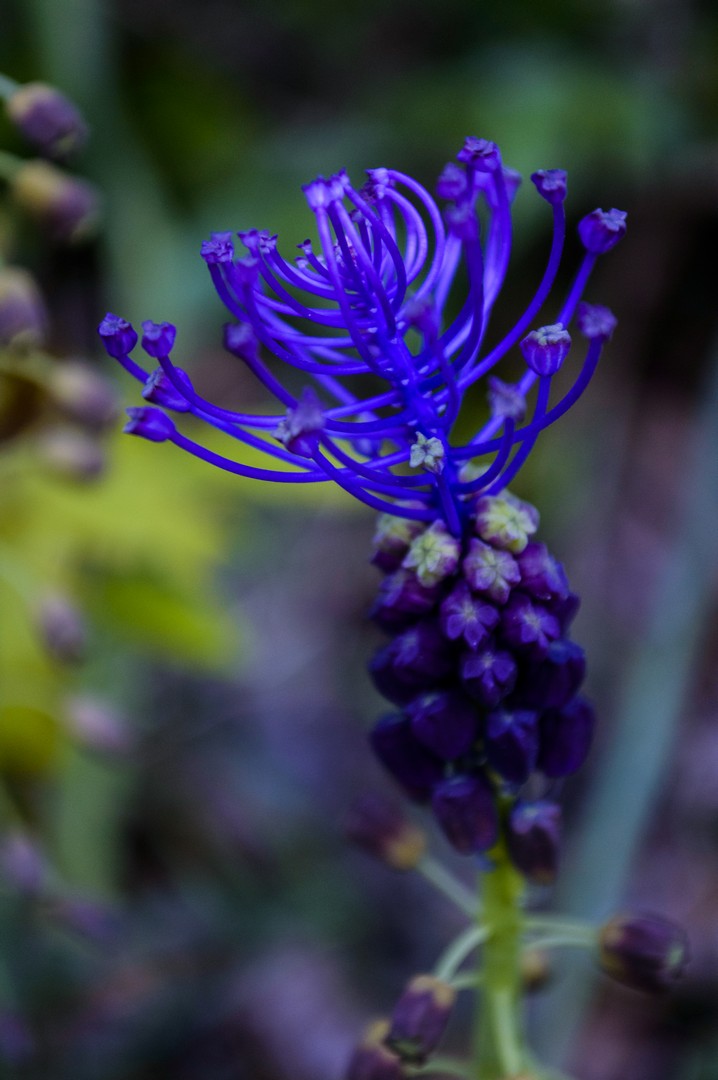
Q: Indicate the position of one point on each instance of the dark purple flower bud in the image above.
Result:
(528, 627)
(511, 742)
(402, 599)
(566, 736)
(83, 394)
(595, 321)
(602, 229)
(420, 1017)
(434, 554)
(558, 677)
(118, 336)
(505, 522)
(241, 340)
(444, 721)
(22, 863)
(462, 222)
(158, 338)
(506, 401)
(644, 951)
(392, 539)
(372, 1059)
(89, 919)
(71, 454)
(62, 629)
(544, 350)
(380, 827)
(47, 119)
(565, 610)
(452, 184)
(551, 185)
(488, 675)
(464, 615)
(414, 661)
(149, 423)
(218, 249)
(160, 391)
(302, 426)
(542, 576)
(466, 811)
(533, 837)
(22, 310)
(491, 572)
(408, 761)
(69, 208)
(481, 153)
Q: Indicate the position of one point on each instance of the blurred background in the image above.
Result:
(183, 700)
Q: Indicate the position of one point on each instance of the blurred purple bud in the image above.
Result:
(644, 951)
(446, 722)
(453, 183)
(542, 576)
(408, 761)
(69, 208)
(23, 317)
(241, 340)
(372, 1059)
(402, 599)
(566, 736)
(301, 428)
(511, 742)
(595, 321)
(47, 119)
(62, 629)
(83, 394)
(420, 1017)
(89, 919)
(393, 536)
(95, 724)
(71, 454)
(380, 827)
(506, 401)
(22, 864)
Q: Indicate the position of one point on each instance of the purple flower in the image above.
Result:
(488, 675)
(491, 572)
(446, 722)
(408, 761)
(511, 742)
(533, 838)
(529, 627)
(369, 304)
(420, 1017)
(645, 951)
(466, 811)
(466, 616)
(566, 736)
(402, 599)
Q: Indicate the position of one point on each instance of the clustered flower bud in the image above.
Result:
(68, 207)
(23, 317)
(47, 119)
(483, 673)
(379, 827)
(647, 952)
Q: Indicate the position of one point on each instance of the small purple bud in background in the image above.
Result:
(542, 576)
(644, 951)
(558, 677)
(452, 184)
(511, 742)
(118, 336)
(505, 401)
(488, 675)
(433, 555)
(83, 394)
(158, 338)
(23, 317)
(528, 627)
(461, 222)
(533, 838)
(490, 572)
(22, 864)
(69, 208)
(505, 522)
(393, 536)
(218, 249)
(62, 629)
(595, 321)
(551, 185)
(466, 616)
(379, 826)
(241, 340)
(420, 1017)
(402, 599)
(446, 722)
(414, 661)
(47, 119)
(566, 736)
(466, 811)
(483, 154)
(415, 767)
(71, 454)
(149, 423)
(372, 1059)
(160, 391)
(545, 350)
(565, 610)
(89, 919)
(302, 426)
(95, 724)
(602, 229)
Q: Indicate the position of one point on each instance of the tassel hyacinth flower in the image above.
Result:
(480, 667)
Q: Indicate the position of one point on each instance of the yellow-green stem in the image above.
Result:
(499, 1050)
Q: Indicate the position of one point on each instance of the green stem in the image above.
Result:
(445, 1066)
(454, 956)
(499, 1041)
